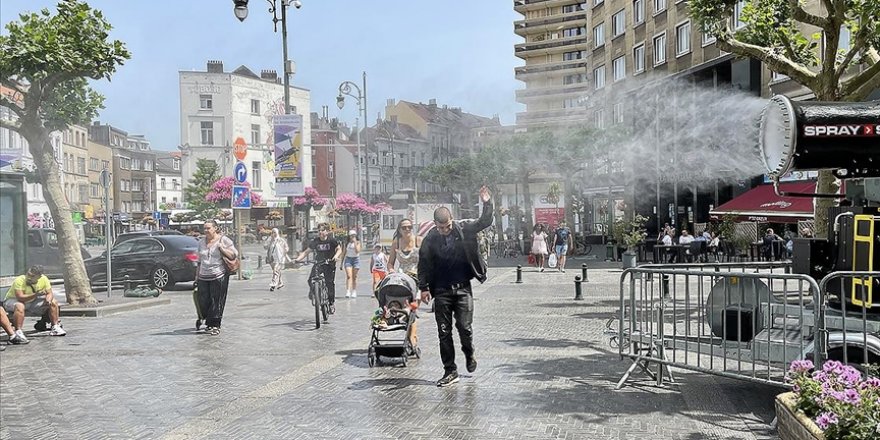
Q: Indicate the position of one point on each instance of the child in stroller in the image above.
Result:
(398, 300)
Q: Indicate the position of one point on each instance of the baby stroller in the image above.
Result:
(394, 318)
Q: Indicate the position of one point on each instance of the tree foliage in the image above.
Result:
(803, 41)
(207, 172)
(46, 61)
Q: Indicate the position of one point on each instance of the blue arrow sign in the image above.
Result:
(240, 172)
(241, 197)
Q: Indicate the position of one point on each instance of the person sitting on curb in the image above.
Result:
(7, 326)
(32, 293)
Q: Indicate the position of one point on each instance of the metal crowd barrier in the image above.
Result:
(740, 320)
(743, 320)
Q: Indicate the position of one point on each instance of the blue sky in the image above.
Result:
(459, 52)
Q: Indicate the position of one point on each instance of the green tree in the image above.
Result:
(207, 172)
(803, 41)
(47, 60)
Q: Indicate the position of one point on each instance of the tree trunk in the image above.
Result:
(569, 214)
(826, 184)
(76, 280)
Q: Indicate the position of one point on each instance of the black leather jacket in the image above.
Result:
(467, 232)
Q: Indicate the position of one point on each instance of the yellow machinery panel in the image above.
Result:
(863, 260)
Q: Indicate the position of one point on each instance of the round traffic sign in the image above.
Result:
(239, 148)
(240, 172)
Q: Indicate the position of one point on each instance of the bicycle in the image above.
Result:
(318, 293)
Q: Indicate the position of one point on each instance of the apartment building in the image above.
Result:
(100, 159)
(169, 181)
(590, 64)
(75, 156)
(218, 106)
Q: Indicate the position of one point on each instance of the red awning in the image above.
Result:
(761, 204)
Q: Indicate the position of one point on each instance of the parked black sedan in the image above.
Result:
(161, 260)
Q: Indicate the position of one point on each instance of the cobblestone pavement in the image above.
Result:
(545, 371)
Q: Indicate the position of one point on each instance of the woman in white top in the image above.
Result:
(277, 254)
(405, 249)
(405, 254)
(352, 264)
(539, 245)
(213, 276)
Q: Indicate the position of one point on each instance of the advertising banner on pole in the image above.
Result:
(288, 132)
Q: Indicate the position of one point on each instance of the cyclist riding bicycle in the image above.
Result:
(325, 248)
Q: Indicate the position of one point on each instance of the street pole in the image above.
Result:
(105, 182)
(291, 216)
(238, 225)
(366, 124)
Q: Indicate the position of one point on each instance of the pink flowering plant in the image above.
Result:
(311, 199)
(221, 193)
(842, 403)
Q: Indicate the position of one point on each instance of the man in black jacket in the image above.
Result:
(448, 260)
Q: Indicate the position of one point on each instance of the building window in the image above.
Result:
(84, 194)
(574, 8)
(618, 65)
(617, 113)
(314, 170)
(164, 199)
(81, 165)
(125, 163)
(618, 23)
(94, 189)
(708, 39)
(255, 134)
(575, 55)
(148, 165)
(638, 12)
(683, 38)
(135, 164)
(660, 49)
(93, 164)
(175, 164)
(571, 103)
(207, 132)
(175, 184)
(639, 58)
(255, 106)
(599, 35)
(256, 180)
(659, 6)
(105, 164)
(162, 184)
(599, 77)
(599, 118)
(574, 32)
(330, 171)
(737, 14)
(206, 102)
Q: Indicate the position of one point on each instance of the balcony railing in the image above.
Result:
(561, 89)
(567, 42)
(527, 25)
(550, 67)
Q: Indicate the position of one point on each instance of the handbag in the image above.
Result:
(270, 254)
(551, 261)
(232, 265)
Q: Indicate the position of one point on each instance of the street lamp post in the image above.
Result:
(390, 134)
(241, 12)
(345, 90)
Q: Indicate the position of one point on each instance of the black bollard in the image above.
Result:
(578, 292)
(664, 286)
(259, 261)
(519, 274)
(127, 286)
(584, 276)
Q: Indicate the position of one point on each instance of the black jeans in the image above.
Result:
(212, 299)
(329, 271)
(460, 304)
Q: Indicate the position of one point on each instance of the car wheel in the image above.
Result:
(160, 278)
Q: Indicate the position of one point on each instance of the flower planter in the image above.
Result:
(793, 424)
(630, 259)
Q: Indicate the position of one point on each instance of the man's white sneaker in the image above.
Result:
(354, 294)
(18, 338)
(348, 293)
(57, 331)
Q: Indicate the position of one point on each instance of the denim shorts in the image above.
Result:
(354, 262)
(561, 249)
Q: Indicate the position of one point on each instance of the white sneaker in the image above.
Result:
(348, 293)
(354, 294)
(18, 338)
(57, 331)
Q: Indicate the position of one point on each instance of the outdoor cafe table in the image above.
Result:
(662, 250)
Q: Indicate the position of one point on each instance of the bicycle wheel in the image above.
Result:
(316, 295)
(325, 304)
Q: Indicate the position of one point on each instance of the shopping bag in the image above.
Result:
(551, 261)
(532, 260)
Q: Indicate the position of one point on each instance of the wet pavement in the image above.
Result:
(545, 371)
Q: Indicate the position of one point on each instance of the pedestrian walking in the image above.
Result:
(352, 264)
(539, 245)
(378, 265)
(562, 243)
(405, 256)
(216, 253)
(448, 260)
(276, 257)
